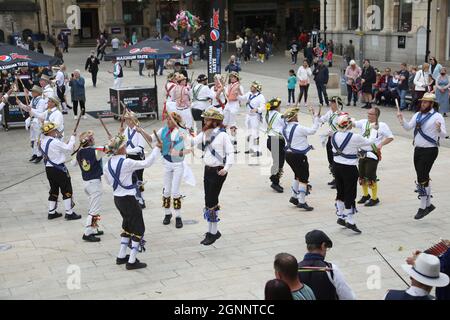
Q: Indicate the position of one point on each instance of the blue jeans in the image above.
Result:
(402, 94)
(322, 92)
(160, 66)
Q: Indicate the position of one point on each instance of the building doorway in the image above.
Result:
(89, 24)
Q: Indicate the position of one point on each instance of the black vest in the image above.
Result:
(318, 281)
(402, 295)
(91, 168)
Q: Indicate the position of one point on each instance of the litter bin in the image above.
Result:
(343, 87)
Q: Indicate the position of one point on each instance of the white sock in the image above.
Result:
(123, 247)
(89, 229)
(177, 213)
(51, 207)
(68, 205)
(134, 251)
(429, 196)
(209, 227)
(213, 228)
(349, 216)
(340, 206)
(295, 186)
(167, 211)
(302, 194)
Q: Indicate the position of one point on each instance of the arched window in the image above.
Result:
(353, 14)
(405, 15)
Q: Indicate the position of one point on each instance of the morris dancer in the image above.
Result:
(169, 104)
(371, 156)
(274, 122)
(345, 152)
(233, 91)
(429, 128)
(118, 172)
(89, 159)
(218, 90)
(55, 152)
(47, 88)
(135, 150)
(255, 103)
(183, 97)
(201, 97)
(336, 105)
(296, 149)
(217, 157)
(51, 114)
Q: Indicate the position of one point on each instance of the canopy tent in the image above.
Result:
(12, 57)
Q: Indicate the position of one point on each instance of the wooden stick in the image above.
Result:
(398, 107)
(122, 119)
(156, 135)
(26, 96)
(104, 126)
(77, 124)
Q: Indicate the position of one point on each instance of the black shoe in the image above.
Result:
(90, 238)
(70, 107)
(120, 261)
(354, 104)
(72, 216)
(333, 187)
(305, 207)
(136, 265)
(364, 199)
(178, 223)
(166, 220)
(348, 104)
(422, 213)
(207, 235)
(294, 201)
(372, 203)
(332, 183)
(257, 154)
(353, 227)
(54, 216)
(277, 188)
(33, 158)
(247, 152)
(217, 235)
(431, 208)
(38, 159)
(341, 222)
(98, 233)
(210, 239)
(236, 152)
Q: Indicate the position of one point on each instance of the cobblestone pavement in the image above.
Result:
(256, 223)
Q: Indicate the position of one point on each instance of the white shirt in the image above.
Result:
(115, 43)
(356, 142)
(215, 101)
(304, 74)
(421, 80)
(48, 91)
(59, 78)
(128, 168)
(239, 42)
(117, 68)
(137, 140)
(53, 115)
(254, 101)
(331, 119)
(383, 133)
(429, 128)
(221, 145)
(300, 137)
(58, 151)
(275, 118)
(343, 290)
(201, 95)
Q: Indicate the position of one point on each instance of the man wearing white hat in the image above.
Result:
(425, 274)
(429, 128)
(51, 114)
(47, 88)
(345, 157)
(233, 92)
(255, 103)
(183, 98)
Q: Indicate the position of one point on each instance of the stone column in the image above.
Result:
(338, 20)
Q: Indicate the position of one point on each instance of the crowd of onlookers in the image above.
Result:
(313, 278)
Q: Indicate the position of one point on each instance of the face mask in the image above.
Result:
(443, 74)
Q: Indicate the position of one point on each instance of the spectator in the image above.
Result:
(292, 83)
(125, 44)
(232, 66)
(423, 271)
(141, 67)
(352, 73)
(117, 73)
(303, 39)
(247, 49)
(403, 85)
(61, 41)
(330, 58)
(308, 53)
(368, 78)
(435, 68)
(134, 38)
(411, 86)
(254, 45)
(115, 43)
(238, 42)
(261, 50)
(304, 74)
(101, 46)
(202, 46)
(159, 66)
(269, 41)
(65, 38)
(431, 83)
(376, 86)
(318, 52)
(30, 44)
(277, 290)
(78, 93)
(421, 84)
(178, 68)
(392, 90)
(328, 283)
(91, 66)
(321, 77)
(59, 55)
(286, 269)
(293, 48)
(442, 92)
(383, 87)
(349, 53)
(39, 48)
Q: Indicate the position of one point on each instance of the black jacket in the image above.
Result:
(321, 75)
(92, 64)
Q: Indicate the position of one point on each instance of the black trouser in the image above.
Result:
(368, 170)
(346, 184)
(303, 92)
(291, 95)
(58, 180)
(294, 57)
(299, 164)
(60, 91)
(197, 116)
(82, 107)
(212, 183)
(322, 92)
(423, 162)
(94, 78)
(276, 146)
(350, 94)
(330, 155)
(141, 68)
(138, 175)
(131, 212)
(247, 55)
